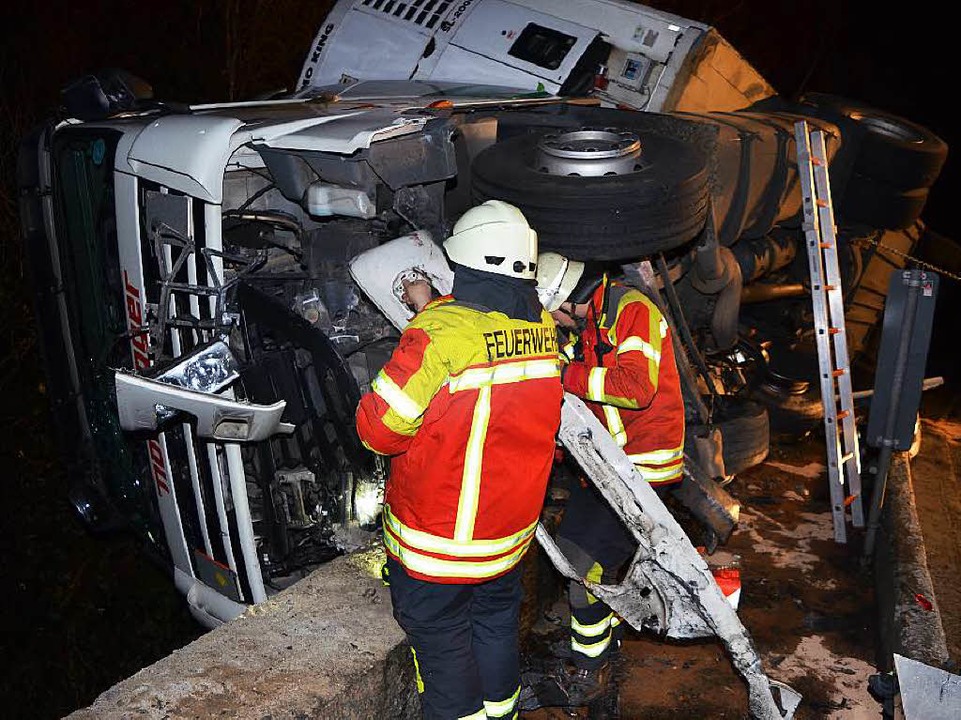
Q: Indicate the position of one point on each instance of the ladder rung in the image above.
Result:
(820, 230)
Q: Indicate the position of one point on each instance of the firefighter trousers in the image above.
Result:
(464, 639)
(594, 539)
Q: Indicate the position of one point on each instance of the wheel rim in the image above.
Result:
(589, 153)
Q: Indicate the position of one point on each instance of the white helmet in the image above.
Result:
(556, 279)
(496, 238)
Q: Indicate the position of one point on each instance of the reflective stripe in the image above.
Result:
(595, 384)
(503, 707)
(592, 650)
(636, 343)
(436, 567)
(399, 401)
(568, 351)
(652, 353)
(420, 540)
(657, 457)
(473, 459)
(662, 474)
(615, 426)
(417, 675)
(475, 378)
(479, 715)
(594, 574)
(615, 621)
(654, 337)
(595, 630)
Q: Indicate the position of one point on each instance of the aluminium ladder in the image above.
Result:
(834, 369)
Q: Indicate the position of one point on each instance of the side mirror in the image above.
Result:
(106, 93)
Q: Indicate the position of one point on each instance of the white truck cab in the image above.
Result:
(625, 54)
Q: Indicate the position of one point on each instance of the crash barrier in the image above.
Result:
(909, 617)
(327, 647)
(918, 679)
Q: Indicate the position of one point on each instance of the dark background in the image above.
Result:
(78, 613)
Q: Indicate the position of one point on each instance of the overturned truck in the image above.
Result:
(206, 343)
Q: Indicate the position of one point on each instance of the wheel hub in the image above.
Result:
(589, 153)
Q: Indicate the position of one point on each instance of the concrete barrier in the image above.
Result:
(903, 583)
(328, 647)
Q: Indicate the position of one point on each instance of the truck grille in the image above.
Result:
(426, 13)
(187, 286)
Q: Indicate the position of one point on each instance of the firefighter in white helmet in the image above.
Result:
(468, 406)
(620, 360)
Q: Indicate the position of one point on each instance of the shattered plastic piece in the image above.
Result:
(923, 601)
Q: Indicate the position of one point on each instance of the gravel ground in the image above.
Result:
(937, 487)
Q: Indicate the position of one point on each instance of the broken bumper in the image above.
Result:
(191, 387)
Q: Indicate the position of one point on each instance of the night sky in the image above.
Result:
(80, 613)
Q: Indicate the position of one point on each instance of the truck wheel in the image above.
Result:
(792, 404)
(890, 148)
(793, 415)
(745, 433)
(877, 204)
(605, 194)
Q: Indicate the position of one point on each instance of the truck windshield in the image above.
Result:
(83, 162)
(83, 172)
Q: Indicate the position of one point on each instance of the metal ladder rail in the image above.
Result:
(818, 219)
(850, 451)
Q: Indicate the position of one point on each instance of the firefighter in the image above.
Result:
(468, 405)
(620, 361)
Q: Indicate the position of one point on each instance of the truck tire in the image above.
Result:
(660, 206)
(745, 432)
(793, 404)
(864, 299)
(793, 415)
(877, 204)
(890, 148)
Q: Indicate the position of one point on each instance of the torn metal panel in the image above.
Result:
(668, 587)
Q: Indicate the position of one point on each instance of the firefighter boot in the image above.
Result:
(564, 686)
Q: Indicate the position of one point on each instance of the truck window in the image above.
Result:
(83, 184)
(542, 46)
(83, 162)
